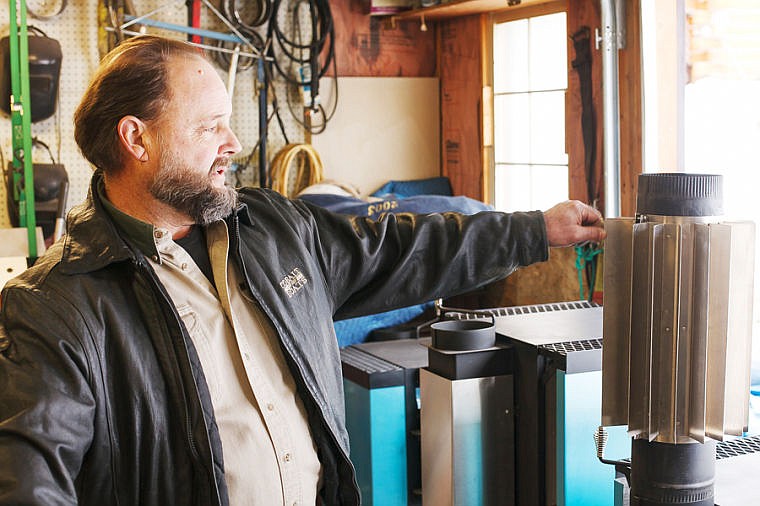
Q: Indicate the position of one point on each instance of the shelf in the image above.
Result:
(464, 8)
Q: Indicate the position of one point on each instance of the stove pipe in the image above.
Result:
(677, 334)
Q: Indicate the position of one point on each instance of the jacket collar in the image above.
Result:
(93, 241)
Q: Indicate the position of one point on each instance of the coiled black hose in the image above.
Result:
(293, 50)
(246, 13)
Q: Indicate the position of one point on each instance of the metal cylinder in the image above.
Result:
(611, 109)
(680, 195)
(672, 474)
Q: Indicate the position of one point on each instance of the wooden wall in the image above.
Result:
(587, 13)
(371, 46)
(631, 152)
(453, 49)
(461, 76)
(583, 14)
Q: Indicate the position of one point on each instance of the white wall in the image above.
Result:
(385, 128)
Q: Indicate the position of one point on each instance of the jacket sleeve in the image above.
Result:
(47, 407)
(403, 259)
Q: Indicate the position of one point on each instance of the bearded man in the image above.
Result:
(176, 346)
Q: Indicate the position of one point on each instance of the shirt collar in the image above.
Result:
(141, 234)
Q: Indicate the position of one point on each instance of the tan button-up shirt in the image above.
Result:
(269, 454)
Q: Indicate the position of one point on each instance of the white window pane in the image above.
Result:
(512, 187)
(512, 128)
(548, 52)
(510, 54)
(547, 135)
(549, 185)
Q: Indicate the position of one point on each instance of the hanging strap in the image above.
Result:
(582, 65)
(587, 254)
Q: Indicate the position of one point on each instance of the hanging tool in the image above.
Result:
(587, 254)
(21, 122)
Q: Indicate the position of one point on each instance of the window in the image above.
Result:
(529, 83)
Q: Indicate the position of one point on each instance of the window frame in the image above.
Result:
(488, 134)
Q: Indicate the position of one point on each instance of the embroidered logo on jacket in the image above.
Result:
(293, 282)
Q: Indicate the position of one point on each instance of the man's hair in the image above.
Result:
(132, 80)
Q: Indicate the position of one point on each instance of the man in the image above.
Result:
(176, 347)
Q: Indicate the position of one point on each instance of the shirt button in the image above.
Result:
(286, 457)
(158, 234)
(270, 406)
(184, 266)
(154, 258)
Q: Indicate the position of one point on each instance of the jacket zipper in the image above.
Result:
(148, 272)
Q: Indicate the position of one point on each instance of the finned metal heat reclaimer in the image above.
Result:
(678, 287)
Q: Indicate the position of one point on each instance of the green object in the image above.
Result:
(585, 260)
(21, 122)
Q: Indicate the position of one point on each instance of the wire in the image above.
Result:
(224, 58)
(252, 13)
(248, 160)
(310, 168)
(307, 61)
(45, 9)
(37, 142)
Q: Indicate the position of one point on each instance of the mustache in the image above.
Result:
(221, 162)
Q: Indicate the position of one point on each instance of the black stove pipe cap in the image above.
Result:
(680, 194)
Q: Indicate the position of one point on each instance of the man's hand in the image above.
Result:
(573, 222)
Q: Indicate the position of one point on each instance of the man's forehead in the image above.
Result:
(190, 65)
(192, 78)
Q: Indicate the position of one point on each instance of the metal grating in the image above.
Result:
(365, 362)
(519, 310)
(573, 346)
(736, 447)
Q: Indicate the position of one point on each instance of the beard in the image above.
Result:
(191, 192)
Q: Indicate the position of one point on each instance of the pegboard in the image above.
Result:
(77, 31)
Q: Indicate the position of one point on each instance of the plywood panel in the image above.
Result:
(631, 126)
(461, 95)
(373, 46)
(384, 129)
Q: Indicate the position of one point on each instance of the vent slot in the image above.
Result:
(573, 346)
(519, 310)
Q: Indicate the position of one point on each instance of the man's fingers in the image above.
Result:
(594, 234)
(573, 222)
(590, 216)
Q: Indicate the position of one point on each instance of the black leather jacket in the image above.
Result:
(102, 399)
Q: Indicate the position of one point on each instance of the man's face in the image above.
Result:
(195, 143)
(191, 192)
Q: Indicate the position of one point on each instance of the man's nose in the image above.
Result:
(231, 144)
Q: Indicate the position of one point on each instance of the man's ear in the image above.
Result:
(131, 132)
